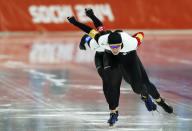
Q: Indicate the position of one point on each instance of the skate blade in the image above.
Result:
(112, 126)
(173, 114)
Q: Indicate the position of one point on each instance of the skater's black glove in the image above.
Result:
(72, 19)
(89, 12)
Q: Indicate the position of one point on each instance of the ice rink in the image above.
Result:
(48, 84)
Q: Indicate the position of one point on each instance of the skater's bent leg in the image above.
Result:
(152, 90)
(104, 82)
(100, 70)
(132, 68)
(114, 78)
(116, 82)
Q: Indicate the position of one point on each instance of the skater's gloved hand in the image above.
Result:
(89, 12)
(72, 19)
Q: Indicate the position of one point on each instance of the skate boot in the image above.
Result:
(150, 105)
(113, 118)
(117, 112)
(164, 105)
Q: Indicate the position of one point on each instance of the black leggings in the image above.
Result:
(130, 67)
(134, 73)
(111, 85)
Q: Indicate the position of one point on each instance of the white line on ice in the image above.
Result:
(47, 76)
(175, 60)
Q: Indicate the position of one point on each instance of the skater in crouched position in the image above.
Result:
(119, 59)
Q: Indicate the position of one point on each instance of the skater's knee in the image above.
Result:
(106, 68)
(137, 91)
(136, 88)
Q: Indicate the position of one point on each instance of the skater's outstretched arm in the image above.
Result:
(87, 29)
(86, 39)
(98, 24)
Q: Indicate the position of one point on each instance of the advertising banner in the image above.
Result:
(49, 15)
